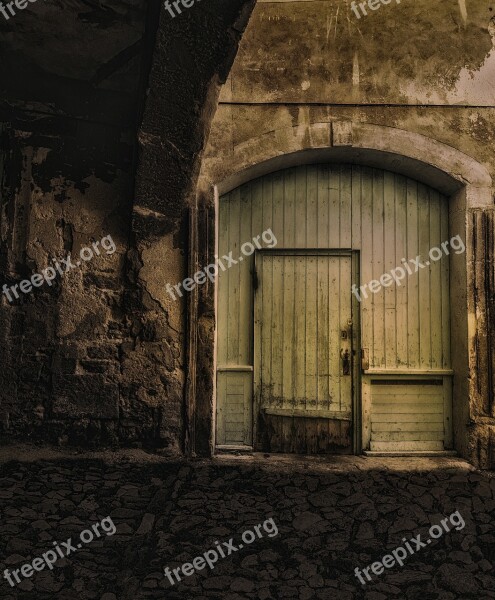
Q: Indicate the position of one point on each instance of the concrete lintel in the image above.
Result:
(419, 157)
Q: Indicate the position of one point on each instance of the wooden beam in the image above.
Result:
(309, 414)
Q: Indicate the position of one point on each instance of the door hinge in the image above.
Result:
(255, 279)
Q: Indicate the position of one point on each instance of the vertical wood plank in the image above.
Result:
(245, 266)
(345, 240)
(356, 207)
(345, 210)
(367, 261)
(323, 241)
(389, 293)
(345, 283)
(447, 413)
(295, 205)
(412, 280)
(233, 280)
(423, 276)
(277, 329)
(223, 282)
(445, 286)
(436, 268)
(378, 270)
(257, 207)
(401, 253)
(299, 366)
(314, 309)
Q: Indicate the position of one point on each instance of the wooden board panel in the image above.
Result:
(377, 299)
(404, 419)
(234, 407)
(292, 279)
(334, 439)
(403, 414)
(407, 446)
(419, 425)
(401, 292)
(407, 436)
(386, 216)
(409, 408)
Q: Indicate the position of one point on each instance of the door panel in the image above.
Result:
(407, 416)
(384, 218)
(302, 305)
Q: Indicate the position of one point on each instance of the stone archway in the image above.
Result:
(181, 99)
(469, 187)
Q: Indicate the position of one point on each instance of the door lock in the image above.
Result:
(346, 361)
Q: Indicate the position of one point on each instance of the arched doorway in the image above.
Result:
(306, 365)
(464, 181)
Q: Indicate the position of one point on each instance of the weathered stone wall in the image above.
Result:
(192, 59)
(99, 357)
(105, 355)
(72, 78)
(412, 68)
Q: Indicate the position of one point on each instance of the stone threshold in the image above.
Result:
(432, 453)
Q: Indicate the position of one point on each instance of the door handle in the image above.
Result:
(346, 361)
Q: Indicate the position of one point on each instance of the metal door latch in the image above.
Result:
(346, 362)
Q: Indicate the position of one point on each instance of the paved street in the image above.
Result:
(333, 514)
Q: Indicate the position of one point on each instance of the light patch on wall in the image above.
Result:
(462, 6)
(305, 85)
(355, 70)
(162, 264)
(475, 87)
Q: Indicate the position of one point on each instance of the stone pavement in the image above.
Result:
(333, 514)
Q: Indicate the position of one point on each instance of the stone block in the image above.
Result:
(78, 396)
(103, 351)
(342, 133)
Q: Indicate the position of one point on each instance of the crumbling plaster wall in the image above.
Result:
(99, 356)
(192, 60)
(71, 77)
(413, 67)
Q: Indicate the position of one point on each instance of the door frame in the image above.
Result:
(356, 402)
(464, 179)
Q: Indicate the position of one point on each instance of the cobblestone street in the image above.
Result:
(332, 514)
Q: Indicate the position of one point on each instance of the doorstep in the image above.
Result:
(412, 453)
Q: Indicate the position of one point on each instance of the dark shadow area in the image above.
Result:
(332, 516)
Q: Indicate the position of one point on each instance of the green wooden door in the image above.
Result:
(303, 353)
(383, 217)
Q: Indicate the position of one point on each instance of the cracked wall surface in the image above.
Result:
(305, 67)
(112, 112)
(98, 356)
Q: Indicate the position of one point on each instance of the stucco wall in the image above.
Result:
(411, 67)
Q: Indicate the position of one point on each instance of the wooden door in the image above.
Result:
(303, 352)
(384, 217)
